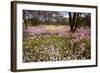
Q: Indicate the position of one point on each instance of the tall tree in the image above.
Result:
(73, 21)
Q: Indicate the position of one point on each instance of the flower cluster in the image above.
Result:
(56, 43)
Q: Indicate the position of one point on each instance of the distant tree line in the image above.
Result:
(74, 19)
(43, 17)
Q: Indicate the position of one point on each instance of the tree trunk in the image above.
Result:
(70, 21)
(77, 22)
(73, 21)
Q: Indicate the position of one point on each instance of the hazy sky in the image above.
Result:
(63, 13)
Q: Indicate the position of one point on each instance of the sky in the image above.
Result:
(65, 14)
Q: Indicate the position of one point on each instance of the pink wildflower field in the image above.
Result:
(56, 43)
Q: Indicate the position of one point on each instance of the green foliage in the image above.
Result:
(84, 22)
(87, 51)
